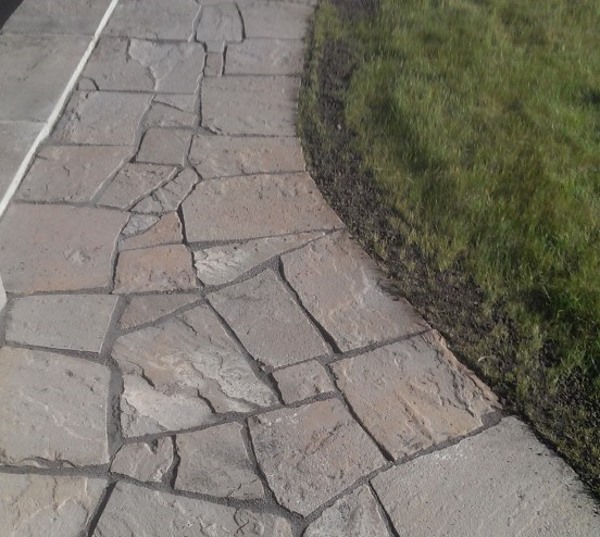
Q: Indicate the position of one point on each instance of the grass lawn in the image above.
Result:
(460, 140)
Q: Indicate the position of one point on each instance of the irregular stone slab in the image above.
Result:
(154, 19)
(222, 264)
(161, 268)
(102, 118)
(54, 506)
(142, 512)
(71, 173)
(187, 359)
(265, 57)
(413, 394)
(169, 197)
(257, 105)
(311, 453)
(57, 248)
(502, 482)
(172, 111)
(138, 223)
(165, 146)
(338, 284)
(225, 156)
(134, 182)
(136, 65)
(74, 322)
(220, 23)
(52, 409)
(268, 321)
(2, 295)
(355, 515)
(149, 308)
(214, 64)
(145, 461)
(256, 206)
(275, 19)
(35, 71)
(167, 230)
(302, 381)
(215, 461)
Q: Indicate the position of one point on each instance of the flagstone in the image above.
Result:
(219, 24)
(214, 64)
(138, 223)
(145, 461)
(167, 230)
(165, 146)
(302, 381)
(275, 19)
(149, 308)
(265, 57)
(169, 197)
(169, 110)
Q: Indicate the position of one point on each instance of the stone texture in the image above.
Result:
(413, 394)
(311, 453)
(265, 57)
(2, 295)
(502, 482)
(340, 286)
(275, 19)
(169, 197)
(214, 64)
(354, 515)
(136, 65)
(221, 264)
(134, 182)
(172, 111)
(167, 230)
(141, 512)
(53, 506)
(145, 461)
(71, 173)
(219, 24)
(73, 322)
(57, 248)
(256, 206)
(215, 461)
(268, 321)
(161, 268)
(302, 381)
(149, 308)
(180, 365)
(102, 118)
(138, 223)
(224, 156)
(260, 105)
(154, 19)
(52, 409)
(165, 146)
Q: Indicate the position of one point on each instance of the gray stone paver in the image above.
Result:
(275, 19)
(167, 230)
(219, 24)
(170, 196)
(145, 461)
(149, 308)
(172, 110)
(302, 381)
(165, 146)
(265, 57)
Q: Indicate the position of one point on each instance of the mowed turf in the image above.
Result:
(480, 122)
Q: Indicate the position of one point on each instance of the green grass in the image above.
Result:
(480, 122)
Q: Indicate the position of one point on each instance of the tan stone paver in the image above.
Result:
(165, 146)
(302, 381)
(170, 196)
(171, 110)
(167, 230)
(149, 308)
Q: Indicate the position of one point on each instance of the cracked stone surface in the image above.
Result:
(265, 57)
(165, 146)
(256, 206)
(219, 24)
(302, 381)
(169, 110)
(167, 230)
(214, 64)
(311, 453)
(169, 197)
(73, 322)
(132, 510)
(268, 321)
(149, 308)
(54, 506)
(52, 409)
(275, 19)
(57, 248)
(502, 482)
(138, 223)
(340, 286)
(71, 173)
(189, 362)
(215, 461)
(145, 461)
(413, 394)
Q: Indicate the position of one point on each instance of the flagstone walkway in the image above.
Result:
(193, 344)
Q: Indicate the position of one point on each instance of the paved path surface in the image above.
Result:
(194, 346)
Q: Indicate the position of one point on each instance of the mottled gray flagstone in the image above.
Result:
(502, 482)
(57, 248)
(275, 19)
(52, 506)
(52, 409)
(225, 156)
(220, 23)
(149, 308)
(302, 381)
(73, 322)
(268, 321)
(169, 197)
(215, 461)
(340, 286)
(265, 57)
(165, 146)
(214, 64)
(71, 173)
(2, 295)
(138, 223)
(169, 110)
(145, 461)
(141, 512)
(413, 394)
(167, 230)
(312, 453)
(256, 206)
(184, 362)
